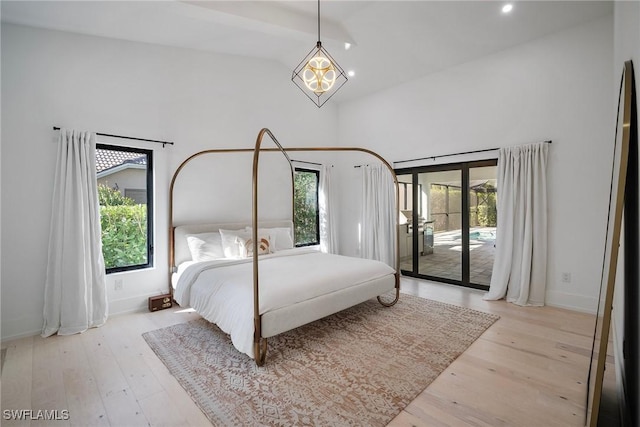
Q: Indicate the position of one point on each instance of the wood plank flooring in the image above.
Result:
(529, 369)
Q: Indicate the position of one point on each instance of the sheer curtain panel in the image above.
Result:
(75, 288)
(328, 238)
(520, 266)
(378, 234)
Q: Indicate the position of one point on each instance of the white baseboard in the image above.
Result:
(116, 308)
(573, 302)
(31, 333)
(22, 327)
(130, 305)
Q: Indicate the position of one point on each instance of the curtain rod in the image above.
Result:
(454, 154)
(129, 137)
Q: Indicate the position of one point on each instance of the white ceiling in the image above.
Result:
(393, 41)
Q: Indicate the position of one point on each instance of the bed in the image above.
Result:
(256, 291)
(297, 285)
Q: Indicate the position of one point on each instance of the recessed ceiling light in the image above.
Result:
(347, 46)
(351, 73)
(507, 8)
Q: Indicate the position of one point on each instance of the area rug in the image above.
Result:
(359, 367)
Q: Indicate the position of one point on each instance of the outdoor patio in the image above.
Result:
(446, 259)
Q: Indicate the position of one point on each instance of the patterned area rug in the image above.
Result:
(359, 367)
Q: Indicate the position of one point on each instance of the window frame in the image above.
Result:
(150, 216)
(465, 263)
(316, 172)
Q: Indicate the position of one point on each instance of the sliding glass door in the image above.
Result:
(448, 222)
(442, 255)
(483, 222)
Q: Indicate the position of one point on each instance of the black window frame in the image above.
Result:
(317, 241)
(464, 168)
(149, 183)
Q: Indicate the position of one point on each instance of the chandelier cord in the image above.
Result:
(318, 21)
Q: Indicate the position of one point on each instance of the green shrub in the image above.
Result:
(487, 212)
(124, 235)
(124, 229)
(108, 196)
(305, 205)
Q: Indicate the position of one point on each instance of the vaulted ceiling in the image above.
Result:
(392, 42)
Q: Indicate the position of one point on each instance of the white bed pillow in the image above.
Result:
(205, 246)
(280, 237)
(231, 242)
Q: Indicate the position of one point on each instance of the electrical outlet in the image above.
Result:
(118, 285)
(566, 277)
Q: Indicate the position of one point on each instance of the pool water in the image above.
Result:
(483, 235)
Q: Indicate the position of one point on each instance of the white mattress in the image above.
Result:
(221, 291)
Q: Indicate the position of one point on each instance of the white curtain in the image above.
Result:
(75, 289)
(378, 233)
(520, 265)
(326, 204)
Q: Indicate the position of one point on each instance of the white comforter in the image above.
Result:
(221, 291)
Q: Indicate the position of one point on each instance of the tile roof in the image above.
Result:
(107, 159)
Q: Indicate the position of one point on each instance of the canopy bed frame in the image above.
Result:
(176, 248)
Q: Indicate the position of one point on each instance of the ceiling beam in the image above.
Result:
(270, 17)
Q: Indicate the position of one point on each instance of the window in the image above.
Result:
(125, 189)
(305, 207)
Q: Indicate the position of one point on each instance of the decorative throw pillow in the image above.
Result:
(205, 246)
(231, 243)
(247, 246)
(280, 237)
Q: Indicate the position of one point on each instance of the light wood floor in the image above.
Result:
(528, 369)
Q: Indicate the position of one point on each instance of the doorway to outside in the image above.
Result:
(452, 209)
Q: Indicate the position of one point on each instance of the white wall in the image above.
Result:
(199, 100)
(627, 47)
(126, 179)
(559, 88)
